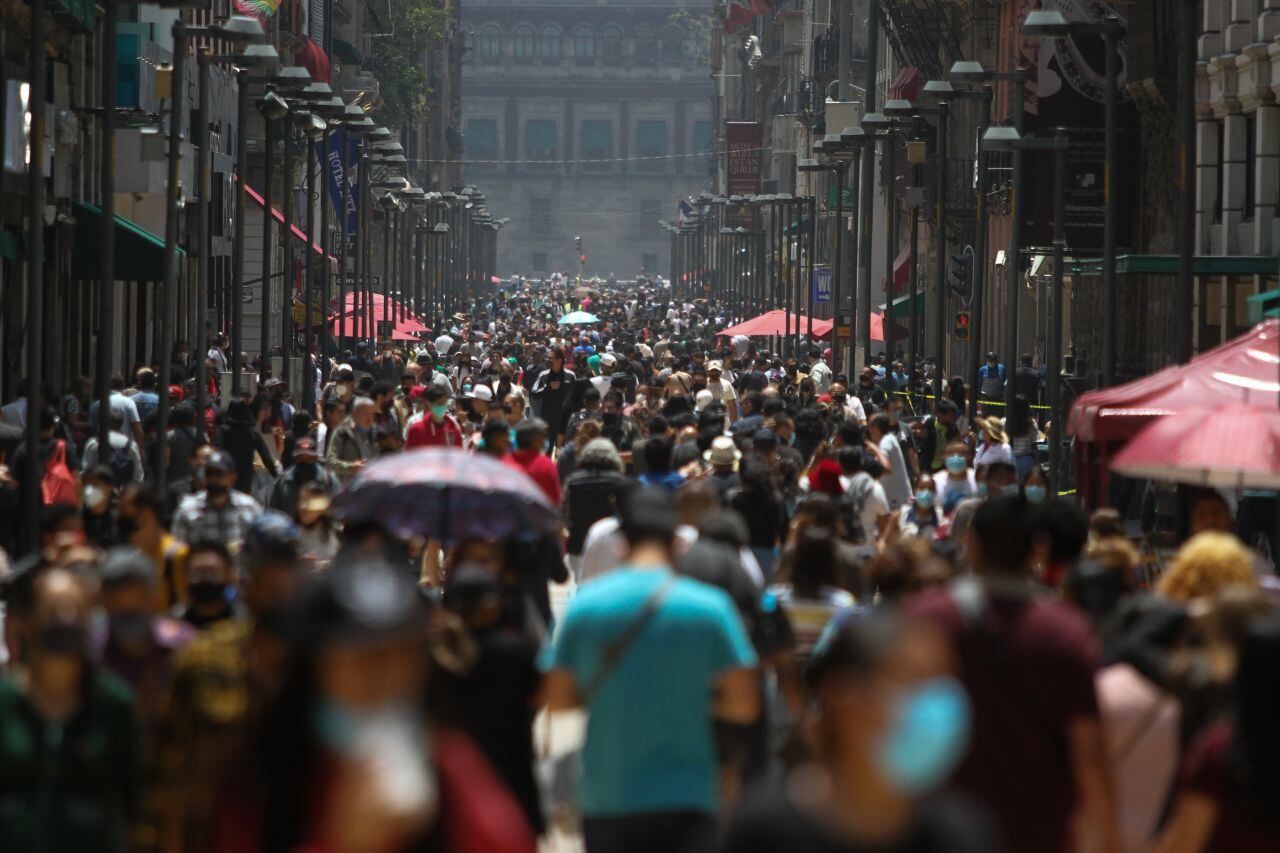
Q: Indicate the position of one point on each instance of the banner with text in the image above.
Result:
(743, 140)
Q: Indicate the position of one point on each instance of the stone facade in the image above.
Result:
(587, 119)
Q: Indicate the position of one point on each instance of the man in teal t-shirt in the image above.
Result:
(658, 661)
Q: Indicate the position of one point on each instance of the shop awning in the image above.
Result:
(345, 51)
(906, 86)
(901, 270)
(902, 306)
(139, 254)
(257, 199)
(1168, 265)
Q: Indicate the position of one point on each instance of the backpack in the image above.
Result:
(58, 486)
(120, 461)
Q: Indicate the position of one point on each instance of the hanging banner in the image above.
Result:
(341, 166)
(743, 140)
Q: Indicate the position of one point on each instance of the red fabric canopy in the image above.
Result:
(257, 199)
(345, 317)
(1235, 447)
(313, 58)
(406, 329)
(901, 269)
(1243, 371)
(877, 329)
(774, 323)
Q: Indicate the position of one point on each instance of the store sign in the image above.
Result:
(822, 285)
(744, 140)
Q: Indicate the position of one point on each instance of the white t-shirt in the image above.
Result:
(993, 453)
(944, 485)
(722, 391)
(875, 505)
(853, 409)
(602, 384)
(444, 343)
(897, 485)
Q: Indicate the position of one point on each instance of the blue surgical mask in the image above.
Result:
(982, 489)
(926, 737)
(924, 499)
(956, 463)
(1035, 494)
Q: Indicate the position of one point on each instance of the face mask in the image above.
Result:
(392, 741)
(62, 639)
(130, 629)
(611, 418)
(94, 496)
(127, 526)
(955, 464)
(306, 470)
(207, 592)
(1011, 489)
(924, 499)
(438, 412)
(926, 736)
(215, 490)
(1035, 494)
(895, 418)
(982, 489)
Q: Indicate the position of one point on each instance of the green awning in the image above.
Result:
(596, 140)
(139, 253)
(1168, 265)
(345, 51)
(902, 306)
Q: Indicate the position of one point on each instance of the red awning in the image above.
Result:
(313, 58)
(877, 329)
(279, 217)
(1235, 447)
(906, 86)
(1242, 371)
(901, 269)
(775, 323)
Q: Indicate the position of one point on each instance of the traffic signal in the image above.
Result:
(577, 242)
(962, 275)
(964, 325)
(582, 259)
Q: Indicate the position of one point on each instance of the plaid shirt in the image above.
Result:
(196, 521)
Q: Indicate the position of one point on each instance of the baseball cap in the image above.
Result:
(609, 359)
(220, 460)
(344, 370)
(715, 365)
(273, 382)
(176, 391)
(305, 447)
(483, 393)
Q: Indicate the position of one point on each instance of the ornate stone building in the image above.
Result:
(586, 118)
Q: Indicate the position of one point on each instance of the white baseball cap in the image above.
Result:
(482, 392)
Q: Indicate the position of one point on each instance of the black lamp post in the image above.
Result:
(973, 72)
(1046, 24)
(1008, 139)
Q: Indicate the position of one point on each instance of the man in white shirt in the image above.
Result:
(819, 371)
(444, 343)
(721, 390)
(897, 480)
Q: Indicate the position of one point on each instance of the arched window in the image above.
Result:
(646, 46)
(549, 42)
(611, 43)
(672, 44)
(584, 42)
(523, 37)
(490, 42)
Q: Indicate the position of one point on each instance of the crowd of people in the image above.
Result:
(806, 612)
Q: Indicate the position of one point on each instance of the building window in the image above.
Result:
(1222, 172)
(482, 139)
(540, 139)
(595, 142)
(539, 262)
(524, 41)
(701, 137)
(672, 44)
(1250, 165)
(649, 262)
(490, 46)
(646, 46)
(611, 43)
(549, 42)
(651, 138)
(540, 216)
(584, 42)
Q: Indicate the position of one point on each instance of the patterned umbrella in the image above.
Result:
(578, 318)
(448, 494)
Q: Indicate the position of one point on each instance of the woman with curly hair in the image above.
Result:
(1206, 563)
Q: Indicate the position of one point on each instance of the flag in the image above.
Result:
(684, 210)
(260, 9)
(743, 12)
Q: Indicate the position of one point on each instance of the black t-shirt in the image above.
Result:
(776, 825)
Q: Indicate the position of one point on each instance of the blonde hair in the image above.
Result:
(1207, 563)
(1116, 554)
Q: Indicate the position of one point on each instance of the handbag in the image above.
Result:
(58, 485)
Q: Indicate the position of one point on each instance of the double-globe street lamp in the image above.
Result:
(1008, 139)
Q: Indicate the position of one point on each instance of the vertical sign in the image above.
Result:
(743, 139)
(339, 168)
(822, 285)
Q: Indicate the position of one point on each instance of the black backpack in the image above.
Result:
(120, 461)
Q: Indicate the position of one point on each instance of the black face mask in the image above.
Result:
(130, 629)
(126, 526)
(63, 639)
(207, 592)
(612, 418)
(216, 490)
(306, 470)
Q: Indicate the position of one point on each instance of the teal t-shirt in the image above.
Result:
(650, 745)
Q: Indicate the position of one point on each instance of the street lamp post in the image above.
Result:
(837, 151)
(973, 72)
(1045, 24)
(1008, 139)
(36, 98)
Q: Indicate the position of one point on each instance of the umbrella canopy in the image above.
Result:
(1237, 447)
(575, 318)
(877, 329)
(1245, 370)
(774, 323)
(448, 494)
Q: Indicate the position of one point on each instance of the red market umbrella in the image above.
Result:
(774, 323)
(1234, 447)
(406, 329)
(877, 329)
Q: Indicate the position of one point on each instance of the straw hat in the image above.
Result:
(993, 429)
(723, 451)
